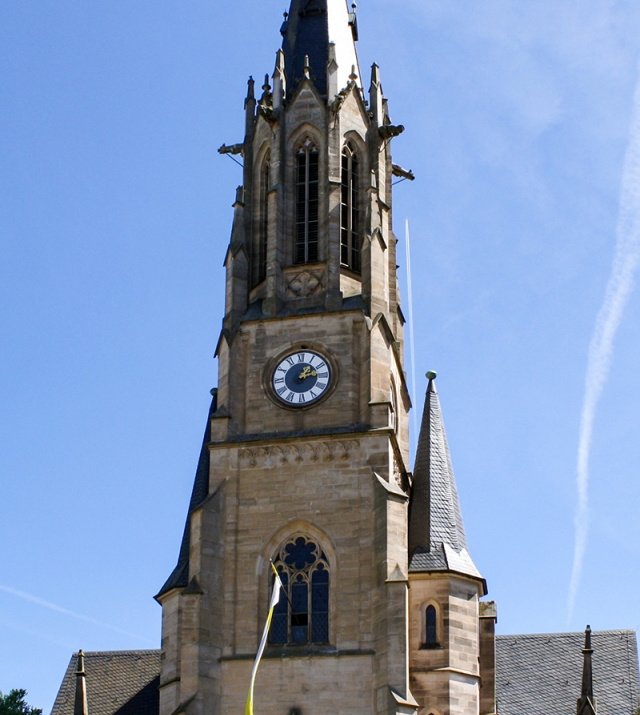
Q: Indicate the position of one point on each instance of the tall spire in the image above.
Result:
(309, 28)
(80, 703)
(437, 540)
(586, 701)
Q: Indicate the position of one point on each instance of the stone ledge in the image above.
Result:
(299, 653)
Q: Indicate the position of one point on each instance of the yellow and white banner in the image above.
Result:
(275, 597)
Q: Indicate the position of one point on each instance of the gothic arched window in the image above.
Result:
(303, 615)
(431, 627)
(263, 225)
(307, 182)
(349, 210)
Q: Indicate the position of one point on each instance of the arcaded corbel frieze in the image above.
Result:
(273, 455)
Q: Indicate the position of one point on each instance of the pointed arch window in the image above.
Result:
(350, 210)
(431, 627)
(307, 203)
(303, 616)
(263, 225)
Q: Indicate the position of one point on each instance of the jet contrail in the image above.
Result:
(625, 263)
(59, 609)
(411, 340)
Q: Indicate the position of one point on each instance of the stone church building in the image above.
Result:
(305, 459)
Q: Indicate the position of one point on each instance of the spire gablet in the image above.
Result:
(437, 539)
(309, 29)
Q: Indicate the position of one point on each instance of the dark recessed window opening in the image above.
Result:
(263, 225)
(431, 635)
(307, 204)
(303, 617)
(349, 210)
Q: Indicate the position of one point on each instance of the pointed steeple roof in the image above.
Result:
(179, 577)
(437, 540)
(309, 29)
(586, 701)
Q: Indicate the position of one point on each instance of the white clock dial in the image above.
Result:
(301, 378)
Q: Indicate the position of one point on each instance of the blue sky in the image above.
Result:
(115, 211)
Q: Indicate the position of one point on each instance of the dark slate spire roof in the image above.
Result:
(309, 29)
(540, 674)
(437, 541)
(180, 575)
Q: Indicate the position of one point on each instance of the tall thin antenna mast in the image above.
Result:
(412, 349)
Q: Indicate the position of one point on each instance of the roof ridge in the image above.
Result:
(622, 631)
(146, 651)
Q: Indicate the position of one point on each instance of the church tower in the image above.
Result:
(305, 457)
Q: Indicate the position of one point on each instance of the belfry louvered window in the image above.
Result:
(349, 210)
(307, 177)
(263, 226)
(302, 616)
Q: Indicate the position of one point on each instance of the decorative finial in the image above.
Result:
(586, 701)
(354, 6)
(266, 98)
(285, 15)
(250, 88)
(306, 67)
(80, 700)
(431, 375)
(353, 76)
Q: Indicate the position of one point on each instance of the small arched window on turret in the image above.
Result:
(307, 178)
(302, 616)
(260, 264)
(431, 627)
(349, 210)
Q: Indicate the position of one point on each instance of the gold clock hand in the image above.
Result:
(307, 372)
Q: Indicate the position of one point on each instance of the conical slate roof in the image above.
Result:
(179, 577)
(309, 29)
(437, 540)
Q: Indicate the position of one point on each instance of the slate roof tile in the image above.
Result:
(542, 673)
(118, 683)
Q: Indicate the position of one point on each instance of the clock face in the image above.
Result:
(301, 378)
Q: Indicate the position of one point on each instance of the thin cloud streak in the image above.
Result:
(412, 342)
(66, 612)
(619, 288)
